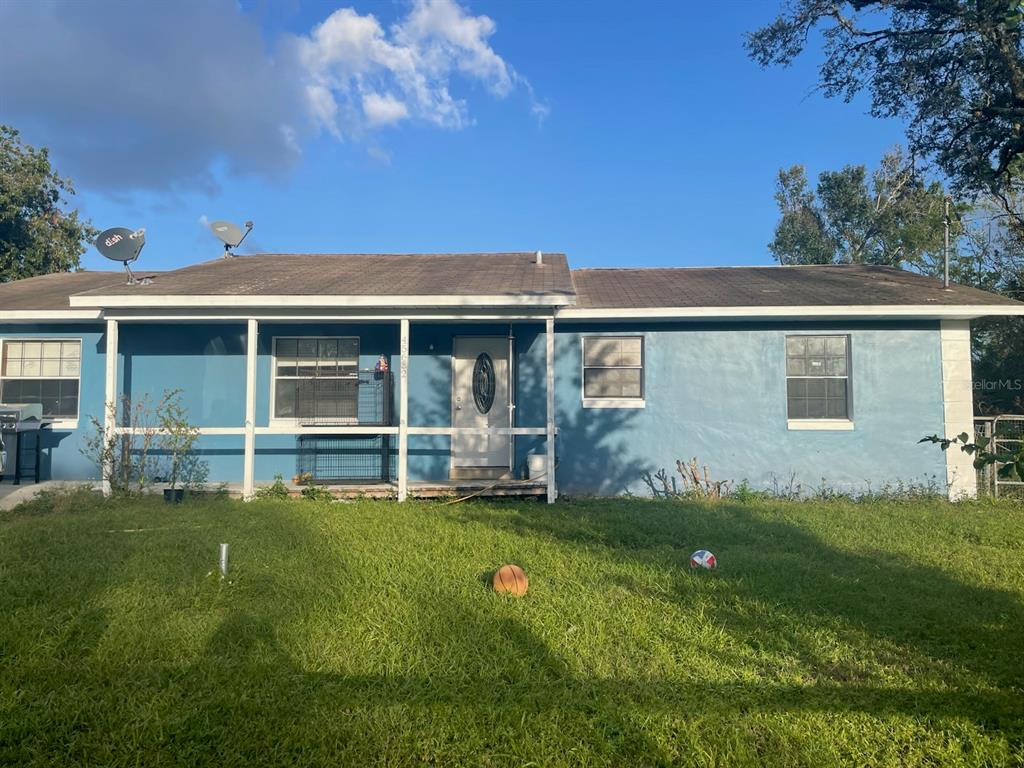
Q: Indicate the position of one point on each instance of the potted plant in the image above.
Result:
(178, 437)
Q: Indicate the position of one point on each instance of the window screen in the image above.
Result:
(316, 379)
(817, 377)
(613, 367)
(43, 372)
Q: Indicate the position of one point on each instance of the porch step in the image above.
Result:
(479, 473)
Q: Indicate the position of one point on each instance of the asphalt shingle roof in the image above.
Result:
(512, 274)
(825, 285)
(333, 274)
(52, 291)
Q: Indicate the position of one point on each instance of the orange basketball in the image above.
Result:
(511, 579)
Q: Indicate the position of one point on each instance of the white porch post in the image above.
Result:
(403, 412)
(110, 400)
(549, 332)
(249, 460)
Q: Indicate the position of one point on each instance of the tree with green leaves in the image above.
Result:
(889, 216)
(37, 234)
(1007, 460)
(952, 69)
(991, 256)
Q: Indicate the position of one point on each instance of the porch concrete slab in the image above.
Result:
(13, 495)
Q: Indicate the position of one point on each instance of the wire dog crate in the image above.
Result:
(330, 460)
(362, 397)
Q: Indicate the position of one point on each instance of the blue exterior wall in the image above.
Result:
(62, 458)
(718, 392)
(714, 391)
(207, 362)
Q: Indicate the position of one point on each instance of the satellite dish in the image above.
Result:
(121, 244)
(230, 234)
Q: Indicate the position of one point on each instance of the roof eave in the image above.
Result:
(873, 312)
(140, 301)
(48, 315)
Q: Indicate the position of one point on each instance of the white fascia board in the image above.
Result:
(878, 311)
(175, 315)
(49, 315)
(266, 302)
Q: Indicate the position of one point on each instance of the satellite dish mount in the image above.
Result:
(230, 234)
(123, 245)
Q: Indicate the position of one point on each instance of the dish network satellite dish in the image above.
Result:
(121, 244)
(230, 234)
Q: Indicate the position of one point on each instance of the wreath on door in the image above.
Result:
(483, 382)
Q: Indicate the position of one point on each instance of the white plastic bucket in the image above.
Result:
(536, 465)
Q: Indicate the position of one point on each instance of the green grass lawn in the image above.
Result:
(365, 634)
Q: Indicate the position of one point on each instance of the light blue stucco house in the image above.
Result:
(414, 373)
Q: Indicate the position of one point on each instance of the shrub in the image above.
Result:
(317, 493)
(177, 439)
(695, 483)
(153, 444)
(278, 490)
(124, 459)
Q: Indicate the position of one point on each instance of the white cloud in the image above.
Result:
(361, 75)
(444, 35)
(382, 109)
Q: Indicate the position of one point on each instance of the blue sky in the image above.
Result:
(632, 134)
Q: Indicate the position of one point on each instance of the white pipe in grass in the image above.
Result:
(223, 560)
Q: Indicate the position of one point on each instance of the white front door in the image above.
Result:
(480, 398)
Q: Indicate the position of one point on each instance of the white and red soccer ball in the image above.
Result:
(703, 559)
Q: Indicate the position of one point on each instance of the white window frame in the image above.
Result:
(275, 421)
(58, 423)
(613, 402)
(823, 424)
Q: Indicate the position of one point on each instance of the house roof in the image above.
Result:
(506, 279)
(51, 292)
(797, 286)
(335, 278)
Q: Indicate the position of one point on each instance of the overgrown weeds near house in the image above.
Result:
(695, 484)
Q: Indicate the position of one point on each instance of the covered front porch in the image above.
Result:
(365, 404)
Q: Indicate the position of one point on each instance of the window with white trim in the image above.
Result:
(42, 372)
(613, 368)
(316, 379)
(818, 377)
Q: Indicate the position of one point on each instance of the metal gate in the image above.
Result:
(1006, 434)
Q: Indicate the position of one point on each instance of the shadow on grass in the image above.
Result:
(777, 576)
(244, 698)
